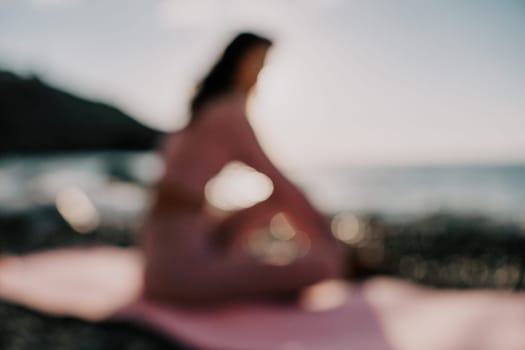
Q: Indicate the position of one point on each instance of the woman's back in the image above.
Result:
(198, 152)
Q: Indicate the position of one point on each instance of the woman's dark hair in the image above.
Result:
(221, 77)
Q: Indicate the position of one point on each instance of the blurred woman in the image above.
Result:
(183, 262)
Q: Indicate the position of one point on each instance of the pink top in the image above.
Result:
(198, 152)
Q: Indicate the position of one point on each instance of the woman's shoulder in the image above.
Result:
(225, 104)
(222, 110)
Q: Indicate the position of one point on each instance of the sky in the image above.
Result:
(348, 82)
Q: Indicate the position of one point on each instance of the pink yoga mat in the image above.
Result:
(380, 314)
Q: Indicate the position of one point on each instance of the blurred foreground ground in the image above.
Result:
(444, 250)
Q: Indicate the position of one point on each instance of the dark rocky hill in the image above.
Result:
(38, 118)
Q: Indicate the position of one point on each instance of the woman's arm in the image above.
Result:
(303, 214)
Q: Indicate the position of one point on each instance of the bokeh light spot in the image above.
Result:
(238, 186)
(77, 209)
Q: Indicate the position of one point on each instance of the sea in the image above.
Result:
(119, 183)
